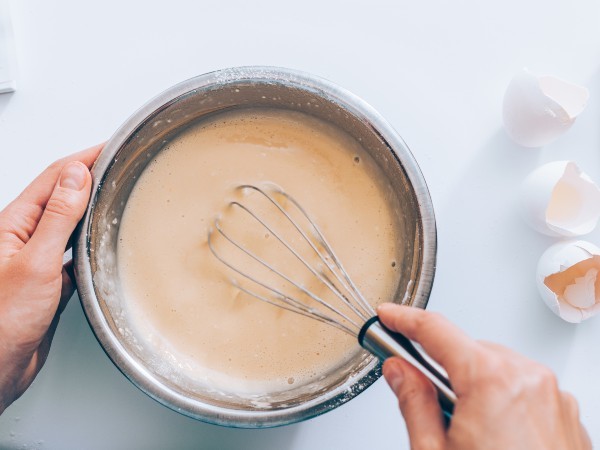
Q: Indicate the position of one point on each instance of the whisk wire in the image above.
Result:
(302, 309)
(320, 275)
(336, 266)
(283, 297)
(358, 296)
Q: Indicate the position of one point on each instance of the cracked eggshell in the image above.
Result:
(538, 109)
(567, 278)
(558, 199)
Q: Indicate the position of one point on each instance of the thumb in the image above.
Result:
(62, 212)
(418, 403)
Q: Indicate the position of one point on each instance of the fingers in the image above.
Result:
(579, 436)
(586, 442)
(418, 403)
(444, 342)
(63, 211)
(68, 287)
(23, 214)
(40, 189)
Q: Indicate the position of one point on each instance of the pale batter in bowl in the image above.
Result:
(178, 297)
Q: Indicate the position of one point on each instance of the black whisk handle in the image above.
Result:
(383, 343)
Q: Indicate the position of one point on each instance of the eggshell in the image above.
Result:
(558, 199)
(579, 299)
(582, 292)
(537, 110)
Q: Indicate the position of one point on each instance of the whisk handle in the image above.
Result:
(383, 343)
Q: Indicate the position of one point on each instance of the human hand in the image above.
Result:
(34, 285)
(505, 401)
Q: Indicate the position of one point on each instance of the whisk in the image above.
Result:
(354, 315)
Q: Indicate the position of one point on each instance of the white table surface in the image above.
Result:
(436, 70)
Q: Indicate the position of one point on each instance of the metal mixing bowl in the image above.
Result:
(135, 144)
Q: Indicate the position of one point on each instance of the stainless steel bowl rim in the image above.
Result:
(136, 372)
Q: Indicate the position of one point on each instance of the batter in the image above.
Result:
(178, 295)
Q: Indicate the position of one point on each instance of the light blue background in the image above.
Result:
(436, 70)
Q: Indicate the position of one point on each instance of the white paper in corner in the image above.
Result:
(7, 51)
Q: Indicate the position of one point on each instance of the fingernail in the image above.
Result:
(397, 379)
(73, 176)
(394, 376)
(385, 307)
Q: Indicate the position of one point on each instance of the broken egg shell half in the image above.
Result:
(568, 281)
(538, 109)
(558, 199)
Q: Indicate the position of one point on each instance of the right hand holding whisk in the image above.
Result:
(505, 401)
